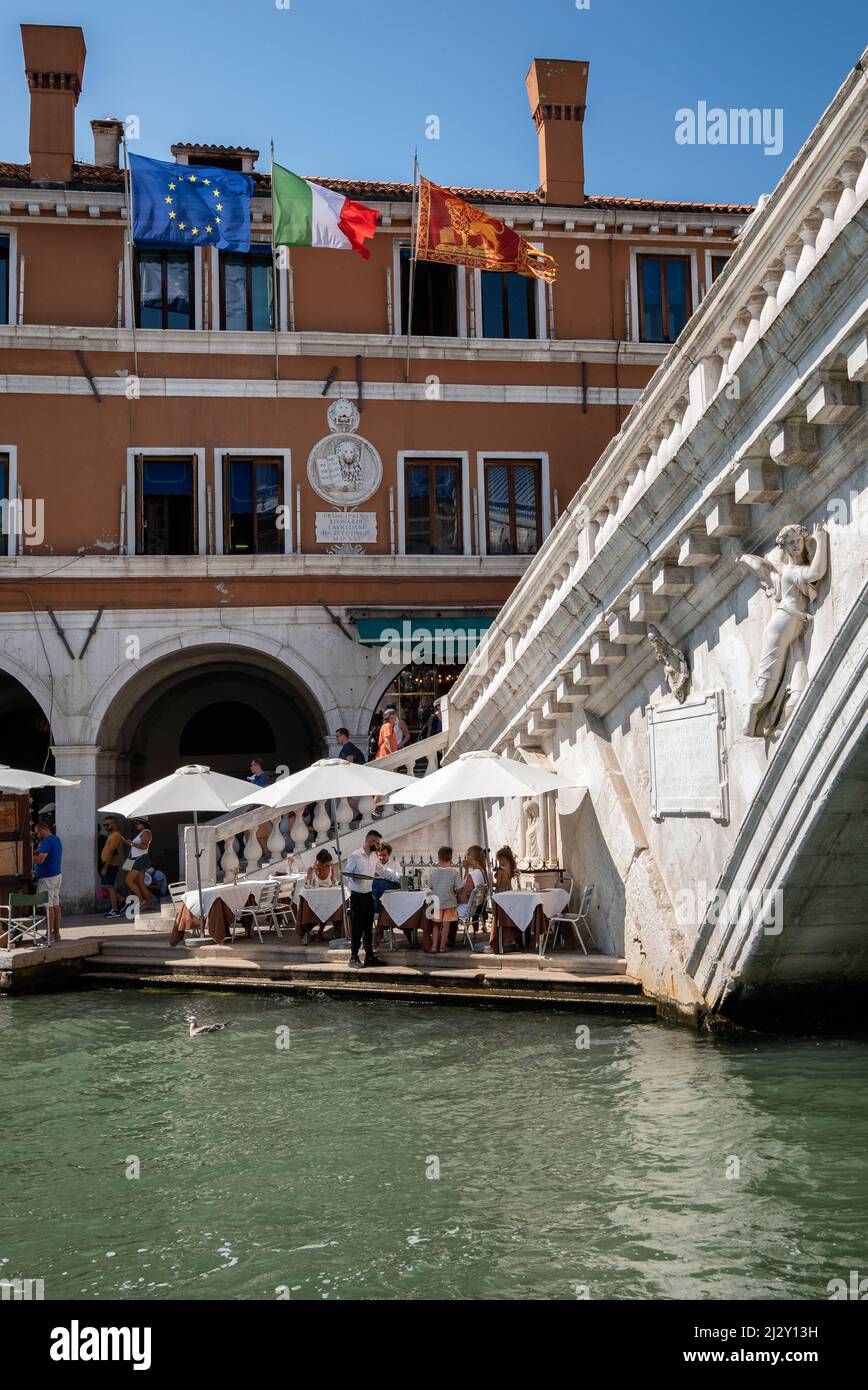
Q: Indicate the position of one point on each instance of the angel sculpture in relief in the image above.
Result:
(789, 574)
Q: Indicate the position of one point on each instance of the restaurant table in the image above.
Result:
(221, 903)
(317, 906)
(530, 911)
(405, 911)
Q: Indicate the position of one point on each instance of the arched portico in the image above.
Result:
(219, 705)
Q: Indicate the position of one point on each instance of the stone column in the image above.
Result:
(77, 823)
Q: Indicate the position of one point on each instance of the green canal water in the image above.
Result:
(310, 1168)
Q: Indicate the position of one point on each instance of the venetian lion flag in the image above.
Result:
(457, 233)
(308, 214)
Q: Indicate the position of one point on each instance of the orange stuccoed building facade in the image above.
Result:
(185, 574)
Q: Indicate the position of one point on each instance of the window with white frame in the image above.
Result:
(513, 506)
(253, 505)
(665, 296)
(509, 304)
(6, 314)
(433, 513)
(7, 546)
(247, 290)
(165, 289)
(167, 516)
(435, 297)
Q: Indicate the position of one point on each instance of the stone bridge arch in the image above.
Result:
(804, 840)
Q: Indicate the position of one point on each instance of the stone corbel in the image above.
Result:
(696, 549)
(831, 397)
(646, 606)
(667, 578)
(857, 358)
(793, 443)
(724, 518)
(757, 480)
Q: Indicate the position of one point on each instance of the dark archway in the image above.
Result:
(226, 727)
(216, 706)
(25, 734)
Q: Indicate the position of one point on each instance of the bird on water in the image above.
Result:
(197, 1029)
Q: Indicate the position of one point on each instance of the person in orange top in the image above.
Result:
(387, 741)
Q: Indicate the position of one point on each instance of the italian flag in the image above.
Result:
(307, 214)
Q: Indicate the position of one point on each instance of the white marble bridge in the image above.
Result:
(722, 825)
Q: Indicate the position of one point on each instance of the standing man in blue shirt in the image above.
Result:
(348, 751)
(47, 857)
(257, 774)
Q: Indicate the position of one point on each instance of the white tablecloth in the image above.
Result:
(403, 905)
(323, 902)
(234, 895)
(520, 907)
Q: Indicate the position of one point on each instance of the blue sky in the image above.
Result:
(345, 86)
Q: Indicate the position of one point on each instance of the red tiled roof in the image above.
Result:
(96, 176)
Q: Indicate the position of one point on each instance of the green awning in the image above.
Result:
(465, 630)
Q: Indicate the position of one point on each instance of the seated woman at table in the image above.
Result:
(475, 875)
(322, 873)
(444, 883)
(505, 879)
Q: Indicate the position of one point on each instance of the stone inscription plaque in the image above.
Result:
(688, 758)
(346, 528)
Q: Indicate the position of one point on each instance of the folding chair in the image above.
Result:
(176, 893)
(286, 907)
(26, 925)
(477, 907)
(575, 920)
(265, 911)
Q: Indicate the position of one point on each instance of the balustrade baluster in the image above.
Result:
(229, 861)
(322, 822)
(276, 844)
(252, 849)
(299, 830)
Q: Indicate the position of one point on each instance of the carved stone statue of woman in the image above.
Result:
(789, 575)
(533, 848)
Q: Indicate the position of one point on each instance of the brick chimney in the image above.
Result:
(556, 91)
(107, 142)
(54, 64)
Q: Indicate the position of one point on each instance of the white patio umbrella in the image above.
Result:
(15, 779)
(330, 779)
(187, 789)
(480, 776)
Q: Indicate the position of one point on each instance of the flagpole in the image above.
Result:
(128, 246)
(414, 212)
(276, 284)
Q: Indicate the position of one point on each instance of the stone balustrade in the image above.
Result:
(723, 351)
(243, 844)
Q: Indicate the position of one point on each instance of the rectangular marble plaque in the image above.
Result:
(346, 528)
(687, 754)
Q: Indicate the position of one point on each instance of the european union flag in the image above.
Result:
(189, 205)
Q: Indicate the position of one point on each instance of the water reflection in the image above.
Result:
(316, 1168)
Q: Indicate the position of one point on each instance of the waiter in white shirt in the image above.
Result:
(362, 868)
